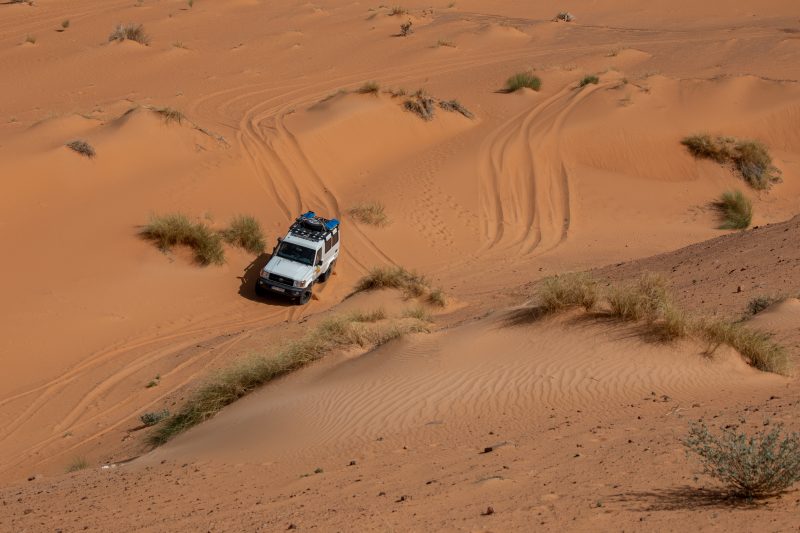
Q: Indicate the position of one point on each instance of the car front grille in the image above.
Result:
(281, 279)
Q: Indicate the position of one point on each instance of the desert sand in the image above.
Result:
(583, 418)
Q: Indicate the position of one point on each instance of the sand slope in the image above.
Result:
(537, 183)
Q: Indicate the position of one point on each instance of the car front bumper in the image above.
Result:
(273, 287)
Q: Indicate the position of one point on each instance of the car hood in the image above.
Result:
(288, 269)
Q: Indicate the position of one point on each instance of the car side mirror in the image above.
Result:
(319, 263)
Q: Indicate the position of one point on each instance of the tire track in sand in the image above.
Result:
(524, 182)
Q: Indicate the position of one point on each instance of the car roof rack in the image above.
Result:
(311, 227)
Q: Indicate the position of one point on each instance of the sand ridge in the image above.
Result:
(570, 177)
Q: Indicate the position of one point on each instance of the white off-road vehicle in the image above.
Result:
(306, 255)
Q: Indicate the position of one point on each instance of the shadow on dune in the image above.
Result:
(247, 286)
(684, 498)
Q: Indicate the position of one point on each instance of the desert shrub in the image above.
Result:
(520, 80)
(65, 24)
(372, 213)
(245, 232)
(750, 158)
(170, 114)
(759, 303)
(565, 16)
(735, 210)
(589, 79)
(245, 376)
(557, 293)
(756, 346)
(130, 32)
(437, 297)
(406, 28)
(370, 87)
(393, 277)
(757, 466)
(421, 105)
(174, 229)
(79, 463)
(153, 418)
(397, 10)
(754, 163)
(647, 299)
(455, 106)
(81, 147)
(418, 312)
(30, 39)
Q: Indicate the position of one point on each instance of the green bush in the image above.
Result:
(751, 466)
(589, 79)
(520, 80)
(174, 229)
(245, 232)
(735, 209)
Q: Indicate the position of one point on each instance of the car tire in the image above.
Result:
(325, 275)
(305, 296)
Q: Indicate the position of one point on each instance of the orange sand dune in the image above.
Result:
(565, 178)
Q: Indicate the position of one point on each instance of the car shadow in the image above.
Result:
(247, 285)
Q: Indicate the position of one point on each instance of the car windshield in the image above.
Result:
(295, 252)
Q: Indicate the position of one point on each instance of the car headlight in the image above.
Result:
(264, 274)
(300, 284)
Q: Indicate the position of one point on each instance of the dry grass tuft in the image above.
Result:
(370, 87)
(735, 209)
(79, 463)
(756, 346)
(648, 301)
(522, 80)
(393, 277)
(170, 114)
(129, 32)
(446, 43)
(81, 147)
(455, 106)
(750, 158)
(759, 303)
(421, 105)
(245, 232)
(437, 297)
(357, 329)
(406, 28)
(174, 229)
(371, 213)
(397, 11)
(558, 293)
